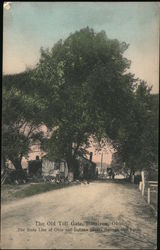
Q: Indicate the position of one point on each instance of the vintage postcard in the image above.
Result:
(80, 105)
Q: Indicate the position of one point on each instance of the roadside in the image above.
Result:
(12, 192)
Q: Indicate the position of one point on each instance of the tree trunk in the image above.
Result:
(19, 174)
(17, 164)
(70, 163)
(131, 173)
(3, 163)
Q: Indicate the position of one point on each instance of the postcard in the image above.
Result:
(80, 105)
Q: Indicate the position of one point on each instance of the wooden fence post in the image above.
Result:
(149, 196)
(140, 185)
(142, 190)
(133, 178)
(143, 183)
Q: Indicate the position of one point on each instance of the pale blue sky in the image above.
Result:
(30, 25)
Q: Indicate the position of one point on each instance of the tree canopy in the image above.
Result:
(20, 122)
(87, 88)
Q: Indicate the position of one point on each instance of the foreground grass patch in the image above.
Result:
(12, 192)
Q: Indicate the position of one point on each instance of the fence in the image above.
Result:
(149, 190)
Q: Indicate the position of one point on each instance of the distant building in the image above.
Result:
(54, 168)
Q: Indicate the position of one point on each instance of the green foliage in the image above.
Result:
(15, 145)
(82, 78)
(20, 121)
(138, 148)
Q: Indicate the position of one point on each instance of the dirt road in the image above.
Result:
(88, 216)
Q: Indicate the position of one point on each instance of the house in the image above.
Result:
(54, 169)
(58, 170)
(35, 167)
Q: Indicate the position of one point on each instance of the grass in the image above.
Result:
(13, 192)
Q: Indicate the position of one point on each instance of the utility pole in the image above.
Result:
(101, 161)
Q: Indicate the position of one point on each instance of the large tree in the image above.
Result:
(138, 147)
(89, 92)
(20, 117)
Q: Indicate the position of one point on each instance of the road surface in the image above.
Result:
(99, 215)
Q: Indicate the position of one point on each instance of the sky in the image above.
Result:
(27, 26)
